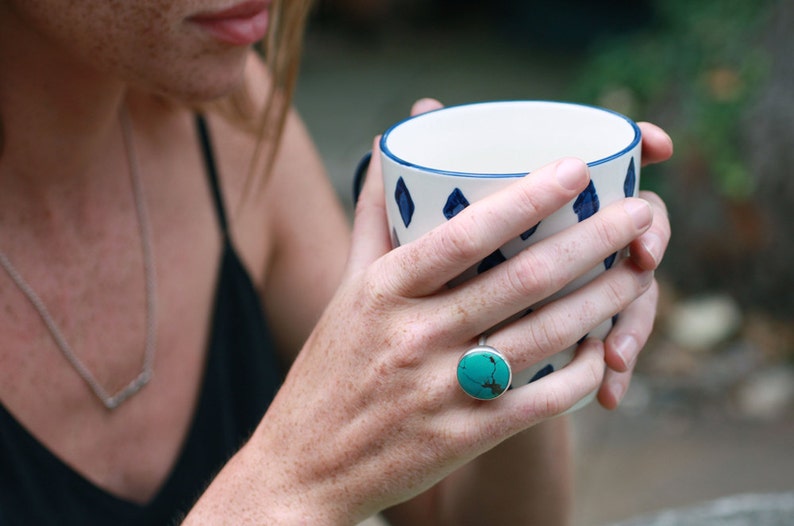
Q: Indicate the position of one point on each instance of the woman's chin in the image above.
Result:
(200, 87)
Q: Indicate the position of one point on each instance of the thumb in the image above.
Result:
(425, 105)
(371, 237)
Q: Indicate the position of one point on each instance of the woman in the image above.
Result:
(146, 233)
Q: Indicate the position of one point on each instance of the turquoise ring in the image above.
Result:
(483, 372)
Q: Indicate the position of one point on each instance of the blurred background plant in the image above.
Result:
(717, 74)
(699, 61)
(719, 77)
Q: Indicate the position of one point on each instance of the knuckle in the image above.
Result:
(460, 438)
(382, 290)
(408, 345)
(550, 403)
(414, 338)
(460, 243)
(546, 336)
(594, 374)
(375, 295)
(533, 273)
(609, 234)
(435, 393)
(405, 357)
(531, 200)
(617, 294)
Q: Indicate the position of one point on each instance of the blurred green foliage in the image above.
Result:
(694, 69)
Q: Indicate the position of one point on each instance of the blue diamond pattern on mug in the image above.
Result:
(455, 203)
(631, 180)
(529, 232)
(608, 262)
(491, 261)
(404, 202)
(543, 372)
(587, 203)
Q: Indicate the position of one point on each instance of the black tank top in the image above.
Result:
(240, 380)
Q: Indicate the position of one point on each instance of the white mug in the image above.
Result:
(437, 163)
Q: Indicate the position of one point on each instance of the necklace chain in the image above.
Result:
(111, 401)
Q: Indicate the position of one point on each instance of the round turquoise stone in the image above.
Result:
(483, 373)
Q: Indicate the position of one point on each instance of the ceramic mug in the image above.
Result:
(438, 163)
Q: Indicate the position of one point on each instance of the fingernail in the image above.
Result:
(652, 244)
(424, 105)
(645, 279)
(640, 212)
(572, 174)
(625, 346)
(618, 390)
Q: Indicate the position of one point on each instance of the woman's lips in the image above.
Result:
(239, 25)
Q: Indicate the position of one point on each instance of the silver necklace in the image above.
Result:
(111, 401)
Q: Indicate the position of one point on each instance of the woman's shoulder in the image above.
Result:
(244, 149)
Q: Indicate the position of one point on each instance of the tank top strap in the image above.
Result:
(212, 172)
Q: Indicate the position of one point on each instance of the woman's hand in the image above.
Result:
(635, 323)
(631, 332)
(371, 413)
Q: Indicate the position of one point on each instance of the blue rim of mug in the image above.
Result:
(386, 151)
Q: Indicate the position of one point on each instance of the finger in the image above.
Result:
(370, 230)
(564, 322)
(488, 422)
(631, 331)
(657, 146)
(369, 223)
(425, 105)
(613, 388)
(541, 270)
(555, 393)
(648, 249)
(429, 263)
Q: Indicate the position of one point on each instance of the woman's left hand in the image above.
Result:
(634, 325)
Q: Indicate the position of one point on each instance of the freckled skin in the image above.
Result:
(149, 43)
(344, 445)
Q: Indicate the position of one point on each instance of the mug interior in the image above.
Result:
(508, 137)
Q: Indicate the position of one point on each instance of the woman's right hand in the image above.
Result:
(371, 413)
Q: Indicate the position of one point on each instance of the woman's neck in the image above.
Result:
(57, 114)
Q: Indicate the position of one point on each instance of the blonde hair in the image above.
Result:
(282, 51)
